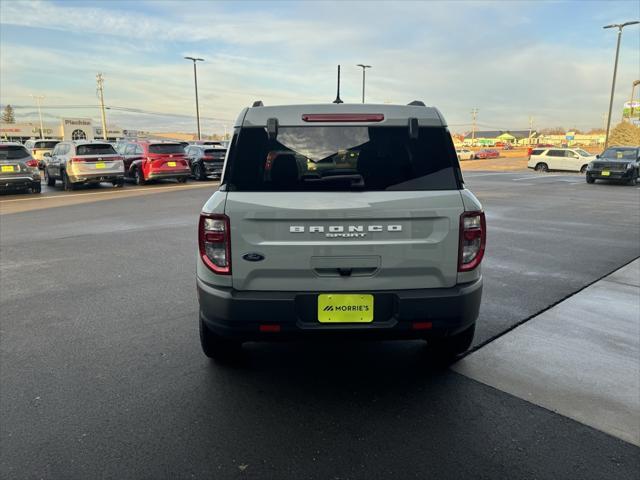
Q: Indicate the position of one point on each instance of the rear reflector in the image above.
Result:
(343, 117)
(421, 325)
(270, 328)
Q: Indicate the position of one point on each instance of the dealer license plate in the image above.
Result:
(605, 173)
(345, 308)
(171, 164)
(7, 168)
(101, 165)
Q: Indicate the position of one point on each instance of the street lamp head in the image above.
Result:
(620, 26)
(636, 83)
(363, 66)
(194, 59)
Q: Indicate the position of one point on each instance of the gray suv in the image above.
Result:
(81, 162)
(340, 220)
(18, 169)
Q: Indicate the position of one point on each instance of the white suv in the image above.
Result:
(340, 220)
(562, 159)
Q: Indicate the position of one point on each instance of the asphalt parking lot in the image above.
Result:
(101, 371)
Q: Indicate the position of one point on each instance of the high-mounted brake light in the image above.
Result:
(215, 242)
(343, 117)
(473, 237)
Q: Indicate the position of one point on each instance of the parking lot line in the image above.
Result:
(112, 192)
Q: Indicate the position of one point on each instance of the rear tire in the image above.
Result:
(118, 183)
(66, 183)
(542, 167)
(197, 172)
(217, 347)
(182, 180)
(590, 179)
(446, 349)
(51, 182)
(36, 187)
(633, 181)
(138, 176)
(583, 169)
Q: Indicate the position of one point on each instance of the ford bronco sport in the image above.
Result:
(340, 220)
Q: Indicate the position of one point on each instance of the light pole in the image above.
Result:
(633, 91)
(195, 79)
(364, 68)
(38, 98)
(619, 26)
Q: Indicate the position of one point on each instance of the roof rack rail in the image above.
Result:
(258, 103)
(417, 103)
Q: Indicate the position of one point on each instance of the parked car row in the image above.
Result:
(75, 163)
(620, 164)
(465, 154)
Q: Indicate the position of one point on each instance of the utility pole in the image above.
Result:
(37, 99)
(364, 68)
(100, 82)
(619, 26)
(474, 114)
(195, 80)
(530, 128)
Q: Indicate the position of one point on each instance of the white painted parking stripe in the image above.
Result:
(111, 192)
(536, 177)
(469, 174)
(580, 358)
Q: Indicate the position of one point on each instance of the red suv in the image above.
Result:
(146, 160)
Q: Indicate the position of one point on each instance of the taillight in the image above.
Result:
(473, 236)
(215, 242)
(31, 163)
(77, 160)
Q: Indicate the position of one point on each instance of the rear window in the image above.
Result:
(45, 144)
(537, 152)
(95, 149)
(12, 152)
(166, 148)
(343, 159)
(215, 153)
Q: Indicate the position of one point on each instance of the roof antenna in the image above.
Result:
(337, 100)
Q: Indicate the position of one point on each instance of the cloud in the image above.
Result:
(509, 62)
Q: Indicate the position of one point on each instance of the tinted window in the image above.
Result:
(582, 153)
(166, 148)
(216, 153)
(620, 153)
(12, 152)
(537, 152)
(342, 158)
(555, 153)
(45, 144)
(95, 149)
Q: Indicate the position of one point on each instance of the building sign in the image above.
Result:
(77, 129)
(631, 110)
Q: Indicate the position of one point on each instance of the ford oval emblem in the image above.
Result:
(253, 257)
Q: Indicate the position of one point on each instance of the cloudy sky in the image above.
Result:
(510, 59)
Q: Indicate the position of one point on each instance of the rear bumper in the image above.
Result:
(160, 176)
(18, 182)
(96, 177)
(239, 314)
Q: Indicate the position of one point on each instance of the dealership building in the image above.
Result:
(65, 129)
